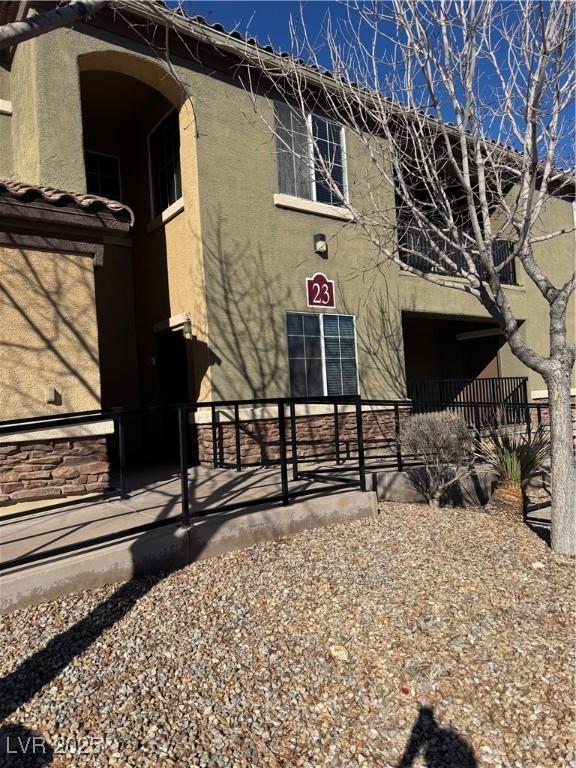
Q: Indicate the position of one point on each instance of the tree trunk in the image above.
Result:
(563, 471)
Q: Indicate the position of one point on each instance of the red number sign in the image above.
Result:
(320, 291)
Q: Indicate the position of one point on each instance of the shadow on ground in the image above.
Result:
(439, 747)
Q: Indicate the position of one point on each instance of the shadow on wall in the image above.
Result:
(247, 301)
(380, 340)
(45, 335)
(246, 306)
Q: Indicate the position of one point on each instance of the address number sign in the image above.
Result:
(320, 291)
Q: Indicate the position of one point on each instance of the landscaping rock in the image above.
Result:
(328, 649)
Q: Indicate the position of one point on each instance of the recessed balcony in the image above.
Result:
(417, 250)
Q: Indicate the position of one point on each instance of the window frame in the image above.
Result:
(321, 315)
(113, 157)
(153, 213)
(310, 156)
(346, 200)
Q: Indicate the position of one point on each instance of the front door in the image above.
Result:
(172, 367)
(172, 357)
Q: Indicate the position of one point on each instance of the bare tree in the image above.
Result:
(463, 109)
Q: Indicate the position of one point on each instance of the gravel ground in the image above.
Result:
(420, 638)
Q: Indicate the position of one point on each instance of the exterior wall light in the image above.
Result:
(321, 246)
(181, 322)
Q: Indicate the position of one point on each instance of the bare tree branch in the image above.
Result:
(41, 23)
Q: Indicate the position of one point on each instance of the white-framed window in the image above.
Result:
(164, 154)
(311, 156)
(322, 354)
(103, 175)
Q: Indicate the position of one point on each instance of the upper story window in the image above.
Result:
(164, 148)
(322, 354)
(103, 175)
(311, 162)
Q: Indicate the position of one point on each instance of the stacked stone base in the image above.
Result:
(315, 436)
(53, 469)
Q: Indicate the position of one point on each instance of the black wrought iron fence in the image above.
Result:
(425, 251)
(188, 433)
(335, 441)
(511, 391)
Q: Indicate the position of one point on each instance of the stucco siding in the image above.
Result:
(234, 261)
(48, 334)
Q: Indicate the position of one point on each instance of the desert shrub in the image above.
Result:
(443, 443)
(514, 455)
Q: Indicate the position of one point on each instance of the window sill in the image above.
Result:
(404, 273)
(311, 206)
(166, 215)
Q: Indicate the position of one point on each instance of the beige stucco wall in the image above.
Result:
(5, 125)
(57, 158)
(257, 257)
(235, 261)
(48, 333)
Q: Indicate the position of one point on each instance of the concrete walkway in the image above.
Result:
(153, 495)
(156, 497)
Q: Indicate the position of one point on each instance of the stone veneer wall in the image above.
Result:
(545, 415)
(259, 438)
(52, 469)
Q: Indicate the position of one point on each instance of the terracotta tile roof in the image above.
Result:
(89, 203)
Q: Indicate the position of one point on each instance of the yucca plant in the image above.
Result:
(514, 457)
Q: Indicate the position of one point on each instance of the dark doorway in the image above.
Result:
(172, 367)
(172, 362)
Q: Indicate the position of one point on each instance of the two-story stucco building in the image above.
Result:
(205, 296)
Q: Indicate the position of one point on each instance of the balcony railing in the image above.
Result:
(416, 250)
(506, 389)
(511, 392)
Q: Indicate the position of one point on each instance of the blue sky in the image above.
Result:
(266, 20)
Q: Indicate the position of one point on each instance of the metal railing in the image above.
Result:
(184, 425)
(419, 249)
(510, 390)
(360, 436)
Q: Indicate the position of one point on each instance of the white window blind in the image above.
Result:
(310, 156)
(322, 354)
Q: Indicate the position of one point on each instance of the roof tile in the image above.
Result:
(55, 196)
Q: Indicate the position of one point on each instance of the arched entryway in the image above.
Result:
(131, 141)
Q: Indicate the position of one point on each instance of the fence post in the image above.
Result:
(528, 417)
(477, 423)
(183, 441)
(336, 434)
(360, 439)
(237, 438)
(539, 414)
(293, 441)
(283, 462)
(214, 438)
(122, 455)
(397, 432)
